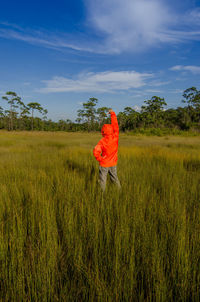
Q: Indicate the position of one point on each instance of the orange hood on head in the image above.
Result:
(106, 130)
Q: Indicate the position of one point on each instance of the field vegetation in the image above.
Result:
(62, 240)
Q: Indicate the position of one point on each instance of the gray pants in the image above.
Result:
(103, 171)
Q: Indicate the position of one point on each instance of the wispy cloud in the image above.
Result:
(118, 26)
(108, 81)
(193, 69)
(132, 25)
(154, 90)
(158, 83)
(42, 38)
(193, 16)
(176, 91)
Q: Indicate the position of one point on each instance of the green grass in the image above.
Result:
(61, 240)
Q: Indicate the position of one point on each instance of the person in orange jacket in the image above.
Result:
(105, 152)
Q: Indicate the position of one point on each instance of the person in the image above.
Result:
(106, 150)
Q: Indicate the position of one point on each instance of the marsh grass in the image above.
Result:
(62, 240)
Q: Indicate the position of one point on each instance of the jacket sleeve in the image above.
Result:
(97, 151)
(114, 123)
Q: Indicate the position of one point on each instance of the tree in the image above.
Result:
(121, 117)
(32, 107)
(102, 114)
(1, 112)
(23, 111)
(153, 112)
(88, 113)
(183, 118)
(24, 118)
(1, 117)
(132, 118)
(128, 119)
(44, 115)
(81, 116)
(192, 98)
(171, 118)
(11, 97)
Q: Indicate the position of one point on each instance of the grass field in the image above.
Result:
(61, 240)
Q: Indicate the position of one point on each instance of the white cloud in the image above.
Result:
(154, 91)
(130, 24)
(134, 25)
(118, 26)
(178, 91)
(137, 108)
(108, 81)
(193, 16)
(158, 83)
(193, 69)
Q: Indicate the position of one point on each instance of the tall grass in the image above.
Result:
(62, 240)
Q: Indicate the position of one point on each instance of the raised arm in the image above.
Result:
(114, 122)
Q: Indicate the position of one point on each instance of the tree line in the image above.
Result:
(19, 116)
(152, 115)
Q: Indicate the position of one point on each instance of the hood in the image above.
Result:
(106, 130)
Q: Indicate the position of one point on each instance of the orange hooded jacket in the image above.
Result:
(105, 151)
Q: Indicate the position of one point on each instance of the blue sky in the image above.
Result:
(61, 53)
